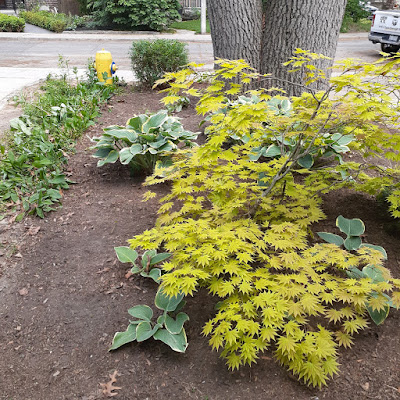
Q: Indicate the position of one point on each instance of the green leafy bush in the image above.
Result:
(241, 228)
(145, 140)
(47, 20)
(31, 164)
(9, 23)
(156, 15)
(151, 59)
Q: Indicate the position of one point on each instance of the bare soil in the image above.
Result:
(63, 295)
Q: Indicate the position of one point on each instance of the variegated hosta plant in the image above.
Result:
(145, 140)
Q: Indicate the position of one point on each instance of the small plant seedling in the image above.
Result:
(168, 328)
(147, 266)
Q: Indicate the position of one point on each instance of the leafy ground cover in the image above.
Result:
(65, 294)
(32, 160)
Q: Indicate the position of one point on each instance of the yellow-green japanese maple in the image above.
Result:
(241, 228)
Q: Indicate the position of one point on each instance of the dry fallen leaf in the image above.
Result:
(23, 291)
(365, 386)
(128, 274)
(103, 270)
(33, 230)
(108, 388)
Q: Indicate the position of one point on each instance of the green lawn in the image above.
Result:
(193, 25)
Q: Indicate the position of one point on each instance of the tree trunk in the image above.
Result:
(236, 29)
(266, 39)
(305, 24)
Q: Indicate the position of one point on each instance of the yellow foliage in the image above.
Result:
(241, 229)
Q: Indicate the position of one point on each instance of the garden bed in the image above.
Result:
(64, 294)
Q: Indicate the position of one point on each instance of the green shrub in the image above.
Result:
(9, 23)
(154, 15)
(47, 20)
(151, 59)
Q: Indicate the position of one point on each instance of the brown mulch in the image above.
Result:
(63, 296)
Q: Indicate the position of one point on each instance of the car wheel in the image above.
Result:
(389, 48)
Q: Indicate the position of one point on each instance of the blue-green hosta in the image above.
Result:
(145, 140)
(379, 305)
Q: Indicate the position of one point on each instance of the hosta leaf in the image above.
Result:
(155, 121)
(103, 152)
(174, 326)
(379, 248)
(154, 274)
(255, 156)
(158, 143)
(121, 338)
(161, 319)
(144, 331)
(378, 316)
(176, 342)
(159, 257)
(123, 134)
(340, 149)
(167, 147)
(146, 258)
(125, 156)
(374, 273)
(306, 162)
(142, 312)
(137, 122)
(136, 149)
(355, 273)
(331, 238)
(271, 151)
(111, 158)
(342, 140)
(164, 302)
(125, 254)
(135, 269)
(148, 138)
(352, 242)
(351, 227)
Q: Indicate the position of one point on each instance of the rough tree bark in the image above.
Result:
(236, 29)
(267, 36)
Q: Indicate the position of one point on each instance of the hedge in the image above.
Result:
(46, 20)
(9, 23)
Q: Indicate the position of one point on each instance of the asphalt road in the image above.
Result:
(45, 53)
(42, 53)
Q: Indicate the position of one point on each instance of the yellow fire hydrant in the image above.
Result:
(105, 65)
